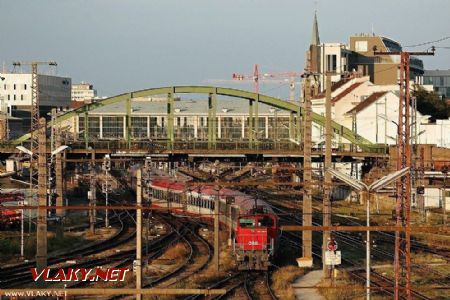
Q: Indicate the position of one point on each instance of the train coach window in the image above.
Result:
(247, 222)
(266, 222)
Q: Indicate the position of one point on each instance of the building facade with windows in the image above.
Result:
(54, 92)
(83, 92)
(149, 121)
(440, 80)
(343, 60)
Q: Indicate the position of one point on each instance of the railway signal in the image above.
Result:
(332, 245)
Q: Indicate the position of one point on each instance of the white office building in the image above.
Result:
(83, 92)
(54, 91)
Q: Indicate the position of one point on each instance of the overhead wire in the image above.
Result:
(429, 42)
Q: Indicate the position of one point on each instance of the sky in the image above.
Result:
(121, 46)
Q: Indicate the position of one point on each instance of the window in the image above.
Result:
(139, 127)
(21, 97)
(112, 127)
(247, 222)
(331, 62)
(361, 46)
(266, 221)
(25, 86)
(14, 88)
(14, 97)
(9, 97)
(441, 80)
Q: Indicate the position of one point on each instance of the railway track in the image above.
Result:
(383, 283)
(230, 284)
(125, 259)
(19, 274)
(257, 286)
(196, 262)
(182, 230)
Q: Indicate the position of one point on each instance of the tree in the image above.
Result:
(430, 103)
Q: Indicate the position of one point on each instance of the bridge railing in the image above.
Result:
(238, 146)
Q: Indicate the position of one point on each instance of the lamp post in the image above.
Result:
(27, 151)
(374, 187)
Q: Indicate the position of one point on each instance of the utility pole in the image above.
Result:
(421, 175)
(149, 192)
(34, 169)
(368, 245)
(327, 183)
(92, 195)
(216, 231)
(106, 187)
(444, 197)
(403, 203)
(307, 173)
(59, 172)
(138, 264)
(41, 233)
(365, 192)
(35, 116)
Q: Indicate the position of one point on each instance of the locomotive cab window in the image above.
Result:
(247, 222)
(266, 221)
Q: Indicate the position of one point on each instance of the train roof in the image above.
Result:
(244, 201)
(167, 183)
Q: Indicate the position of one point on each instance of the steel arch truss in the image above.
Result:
(212, 93)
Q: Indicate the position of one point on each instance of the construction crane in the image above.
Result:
(34, 120)
(256, 77)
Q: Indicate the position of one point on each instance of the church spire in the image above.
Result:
(315, 39)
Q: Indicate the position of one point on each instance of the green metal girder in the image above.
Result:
(170, 120)
(128, 122)
(251, 123)
(212, 120)
(271, 101)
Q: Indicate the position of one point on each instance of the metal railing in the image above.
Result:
(238, 146)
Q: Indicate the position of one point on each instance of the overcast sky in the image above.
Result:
(122, 46)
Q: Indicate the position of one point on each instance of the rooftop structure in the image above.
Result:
(440, 79)
(83, 92)
(357, 57)
(381, 69)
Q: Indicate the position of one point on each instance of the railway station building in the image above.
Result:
(149, 120)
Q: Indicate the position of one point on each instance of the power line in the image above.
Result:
(427, 43)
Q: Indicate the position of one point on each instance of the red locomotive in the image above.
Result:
(255, 240)
(254, 224)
